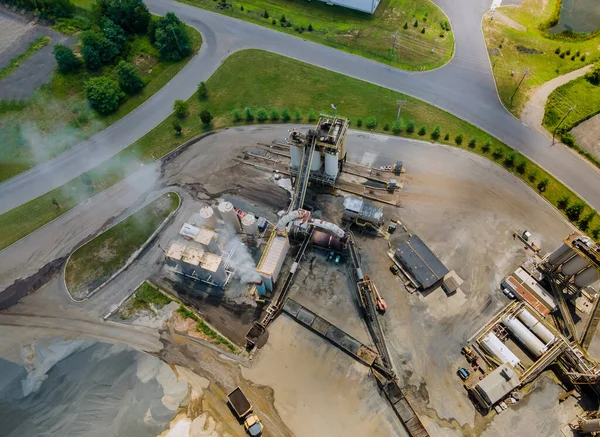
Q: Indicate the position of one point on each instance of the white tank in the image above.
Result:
(560, 255)
(331, 165)
(229, 216)
(536, 326)
(250, 224)
(587, 277)
(315, 164)
(589, 426)
(295, 156)
(525, 336)
(494, 346)
(574, 265)
(208, 217)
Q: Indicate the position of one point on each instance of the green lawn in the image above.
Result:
(94, 262)
(38, 44)
(371, 36)
(509, 63)
(146, 297)
(270, 80)
(58, 116)
(584, 95)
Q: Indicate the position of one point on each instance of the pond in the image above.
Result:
(578, 16)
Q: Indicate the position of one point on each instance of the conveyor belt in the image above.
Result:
(302, 178)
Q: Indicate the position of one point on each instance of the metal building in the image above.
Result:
(356, 209)
(272, 259)
(495, 386)
(420, 262)
(192, 260)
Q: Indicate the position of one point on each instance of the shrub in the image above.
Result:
(405, 26)
(310, 28)
(180, 107)
(562, 55)
(473, 142)
(285, 115)
(435, 134)
(444, 24)
(447, 137)
(563, 202)
(422, 130)
(593, 76)
(206, 117)
(249, 113)
(458, 139)
(568, 52)
(130, 80)
(132, 15)
(574, 211)
(283, 19)
(397, 127)
(262, 114)
(274, 114)
(416, 23)
(573, 58)
(543, 185)
(557, 51)
(97, 50)
(509, 161)
(423, 30)
(241, 7)
(386, 127)
(532, 176)
(371, 122)
(202, 91)
(442, 35)
(274, 22)
(236, 116)
(103, 93)
(312, 116)
(583, 58)
(497, 153)
(171, 38)
(297, 115)
(177, 127)
(486, 147)
(410, 127)
(266, 14)
(596, 233)
(66, 59)
(521, 167)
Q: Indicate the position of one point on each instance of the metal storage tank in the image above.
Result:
(574, 265)
(587, 277)
(331, 165)
(328, 241)
(315, 164)
(536, 326)
(208, 217)
(250, 224)
(525, 336)
(493, 345)
(295, 156)
(229, 216)
(560, 255)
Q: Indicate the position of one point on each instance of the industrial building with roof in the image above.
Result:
(368, 6)
(420, 262)
(495, 386)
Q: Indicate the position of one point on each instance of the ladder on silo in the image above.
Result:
(303, 177)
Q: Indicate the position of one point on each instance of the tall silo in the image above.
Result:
(331, 165)
(250, 224)
(229, 216)
(295, 156)
(315, 164)
(587, 277)
(574, 265)
(560, 255)
(208, 217)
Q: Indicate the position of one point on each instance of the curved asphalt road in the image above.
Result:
(464, 87)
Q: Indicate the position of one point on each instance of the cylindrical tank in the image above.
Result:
(295, 156)
(560, 255)
(328, 241)
(525, 336)
(494, 346)
(208, 217)
(250, 224)
(536, 326)
(331, 165)
(589, 426)
(229, 216)
(315, 164)
(587, 277)
(574, 265)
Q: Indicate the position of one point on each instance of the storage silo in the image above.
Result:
(208, 217)
(560, 255)
(250, 224)
(587, 277)
(315, 164)
(574, 265)
(494, 346)
(295, 156)
(536, 326)
(229, 216)
(525, 336)
(331, 165)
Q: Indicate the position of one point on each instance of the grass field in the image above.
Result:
(516, 51)
(371, 36)
(94, 262)
(586, 96)
(58, 116)
(38, 44)
(268, 81)
(146, 297)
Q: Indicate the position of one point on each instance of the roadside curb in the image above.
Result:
(131, 259)
(115, 308)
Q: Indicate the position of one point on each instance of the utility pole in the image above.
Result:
(525, 73)
(399, 103)
(395, 35)
(563, 119)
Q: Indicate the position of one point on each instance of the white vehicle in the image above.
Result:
(508, 293)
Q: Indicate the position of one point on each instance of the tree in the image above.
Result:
(405, 26)
(593, 76)
(180, 108)
(532, 176)
(446, 137)
(487, 146)
(358, 121)
(297, 115)
(521, 167)
(563, 202)
(416, 23)
(410, 126)
(435, 134)
(557, 51)
(171, 38)
(498, 153)
(249, 113)
(130, 80)
(312, 116)
(473, 142)
(386, 127)
(266, 14)
(202, 91)
(285, 115)
(423, 30)
(275, 114)
(371, 122)
(574, 211)
(66, 59)
(397, 126)
(422, 130)
(103, 93)
(543, 185)
(113, 33)
(509, 161)
(132, 15)
(97, 50)
(236, 116)
(283, 19)
(177, 127)
(458, 139)
(262, 114)
(310, 28)
(206, 117)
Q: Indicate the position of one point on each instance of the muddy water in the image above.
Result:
(578, 16)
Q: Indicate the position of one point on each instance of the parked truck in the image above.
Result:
(243, 409)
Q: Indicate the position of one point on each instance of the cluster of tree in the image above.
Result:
(169, 35)
(45, 8)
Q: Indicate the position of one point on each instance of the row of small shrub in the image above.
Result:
(261, 115)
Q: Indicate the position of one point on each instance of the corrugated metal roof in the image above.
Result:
(420, 262)
(269, 261)
(498, 384)
(353, 204)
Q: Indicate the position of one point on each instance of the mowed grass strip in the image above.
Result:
(254, 78)
(38, 44)
(514, 51)
(370, 36)
(94, 262)
(586, 99)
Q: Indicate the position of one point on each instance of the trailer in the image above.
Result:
(243, 409)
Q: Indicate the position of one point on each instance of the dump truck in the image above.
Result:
(243, 409)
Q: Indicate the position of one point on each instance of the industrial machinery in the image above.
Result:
(362, 214)
(243, 409)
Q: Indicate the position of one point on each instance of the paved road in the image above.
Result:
(464, 87)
